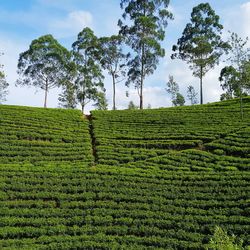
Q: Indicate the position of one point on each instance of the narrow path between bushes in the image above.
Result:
(92, 136)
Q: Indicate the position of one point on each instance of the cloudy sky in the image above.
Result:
(23, 21)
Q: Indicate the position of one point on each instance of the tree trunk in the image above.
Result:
(142, 77)
(46, 94)
(241, 104)
(113, 78)
(201, 87)
(82, 108)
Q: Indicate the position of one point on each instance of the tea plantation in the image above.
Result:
(151, 179)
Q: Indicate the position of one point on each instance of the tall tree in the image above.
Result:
(113, 60)
(42, 65)
(201, 45)
(172, 88)
(3, 85)
(143, 32)
(89, 78)
(192, 95)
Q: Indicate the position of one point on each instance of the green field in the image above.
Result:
(151, 179)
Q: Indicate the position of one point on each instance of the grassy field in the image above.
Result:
(151, 179)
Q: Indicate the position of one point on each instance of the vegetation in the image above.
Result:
(201, 45)
(157, 179)
(89, 77)
(113, 60)
(42, 65)
(3, 85)
(143, 33)
(35, 135)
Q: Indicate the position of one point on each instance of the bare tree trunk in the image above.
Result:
(201, 87)
(142, 77)
(82, 108)
(46, 94)
(113, 78)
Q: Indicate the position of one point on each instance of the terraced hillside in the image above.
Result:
(162, 179)
(36, 135)
(213, 130)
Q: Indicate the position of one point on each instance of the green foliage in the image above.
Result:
(201, 45)
(43, 64)
(229, 78)
(89, 78)
(3, 85)
(143, 33)
(163, 186)
(67, 99)
(102, 103)
(179, 100)
(222, 241)
(36, 135)
(239, 57)
(113, 60)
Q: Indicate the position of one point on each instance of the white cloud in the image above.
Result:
(245, 9)
(72, 24)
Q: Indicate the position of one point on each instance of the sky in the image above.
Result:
(23, 21)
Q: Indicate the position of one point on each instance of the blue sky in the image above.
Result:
(23, 21)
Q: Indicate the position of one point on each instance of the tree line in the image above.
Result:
(132, 55)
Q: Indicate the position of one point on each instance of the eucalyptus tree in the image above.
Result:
(114, 60)
(3, 85)
(43, 64)
(88, 78)
(201, 45)
(143, 31)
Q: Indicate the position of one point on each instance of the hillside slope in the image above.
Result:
(162, 179)
(127, 137)
(36, 135)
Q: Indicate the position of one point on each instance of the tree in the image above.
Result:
(179, 100)
(88, 78)
(201, 45)
(101, 101)
(42, 65)
(239, 55)
(67, 99)
(132, 106)
(229, 78)
(172, 88)
(143, 33)
(192, 95)
(3, 85)
(113, 60)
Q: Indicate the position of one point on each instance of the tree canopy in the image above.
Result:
(89, 77)
(114, 60)
(201, 45)
(42, 65)
(143, 32)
